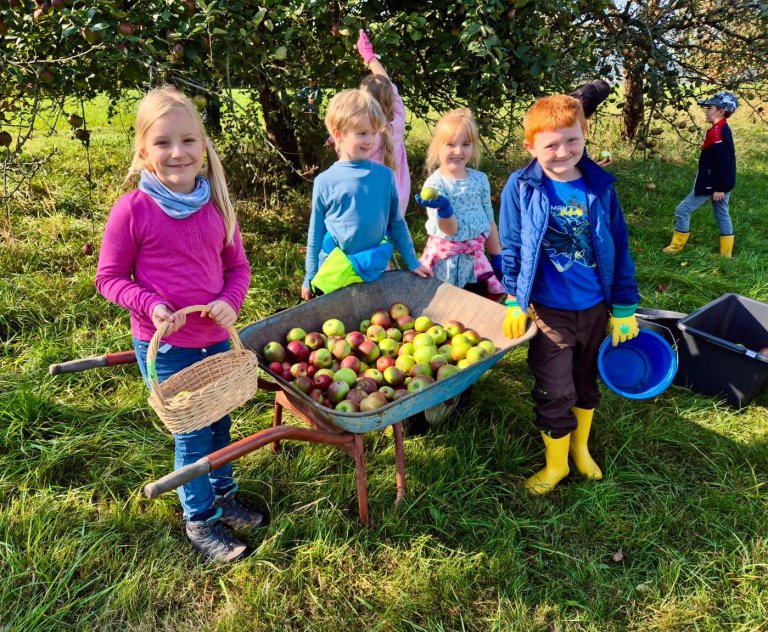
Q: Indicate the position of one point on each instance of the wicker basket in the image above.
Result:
(204, 392)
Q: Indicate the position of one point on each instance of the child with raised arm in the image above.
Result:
(388, 151)
(715, 178)
(355, 221)
(174, 242)
(566, 260)
(460, 220)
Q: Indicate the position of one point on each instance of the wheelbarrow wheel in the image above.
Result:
(420, 423)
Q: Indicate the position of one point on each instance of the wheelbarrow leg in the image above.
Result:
(277, 421)
(399, 463)
(362, 488)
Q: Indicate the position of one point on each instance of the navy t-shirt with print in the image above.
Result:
(567, 275)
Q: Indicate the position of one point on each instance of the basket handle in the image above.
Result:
(154, 344)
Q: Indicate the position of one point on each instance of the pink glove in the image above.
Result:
(365, 48)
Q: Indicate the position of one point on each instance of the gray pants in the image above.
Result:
(692, 202)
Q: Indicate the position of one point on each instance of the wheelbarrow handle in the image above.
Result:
(177, 478)
(84, 364)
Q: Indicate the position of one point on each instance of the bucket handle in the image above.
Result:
(671, 336)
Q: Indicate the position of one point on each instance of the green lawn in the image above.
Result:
(674, 538)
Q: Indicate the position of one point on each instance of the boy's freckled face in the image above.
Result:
(558, 152)
(355, 143)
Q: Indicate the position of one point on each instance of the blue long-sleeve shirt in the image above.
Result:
(356, 202)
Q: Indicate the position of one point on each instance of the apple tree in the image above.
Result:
(669, 51)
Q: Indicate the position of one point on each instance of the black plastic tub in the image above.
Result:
(723, 339)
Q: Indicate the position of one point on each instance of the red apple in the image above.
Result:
(405, 323)
(368, 351)
(421, 369)
(304, 384)
(377, 333)
(351, 362)
(393, 376)
(330, 341)
(311, 370)
(454, 327)
(357, 395)
(321, 358)
(322, 381)
(125, 28)
(398, 310)
(373, 401)
(355, 339)
(381, 317)
(317, 395)
(400, 393)
(299, 369)
(409, 335)
(341, 349)
(384, 362)
(298, 350)
(366, 384)
(276, 367)
(314, 340)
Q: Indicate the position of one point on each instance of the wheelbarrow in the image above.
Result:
(430, 297)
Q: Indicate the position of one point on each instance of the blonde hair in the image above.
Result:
(156, 104)
(456, 124)
(551, 113)
(351, 108)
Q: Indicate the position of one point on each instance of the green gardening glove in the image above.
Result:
(623, 324)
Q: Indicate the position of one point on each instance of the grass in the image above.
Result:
(674, 538)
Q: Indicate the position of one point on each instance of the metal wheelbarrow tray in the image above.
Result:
(428, 297)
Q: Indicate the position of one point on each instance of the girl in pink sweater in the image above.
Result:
(174, 242)
(387, 151)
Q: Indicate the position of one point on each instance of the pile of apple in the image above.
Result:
(398, 354)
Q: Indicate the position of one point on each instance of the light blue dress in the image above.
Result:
(470, 198)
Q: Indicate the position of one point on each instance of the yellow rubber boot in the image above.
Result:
(579, 450)
(726, 246)
(556, 468)
(678, 243)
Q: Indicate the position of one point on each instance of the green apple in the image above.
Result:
(422, 323)
(605, 155)
(487, 345)
(405, 363)
(406, 349)
(423, 340)
(429, 193)
(297, 333)
(460, 339)
(389, 347)
(333, 327)
(454, 327)
(345, 375)
(447, 371)
(421, 369)
(476, 354)
(460, 351)
(439, 335)
(424, 354)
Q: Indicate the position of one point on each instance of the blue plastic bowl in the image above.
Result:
(639, 368)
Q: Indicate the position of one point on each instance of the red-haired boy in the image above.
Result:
(566, 263)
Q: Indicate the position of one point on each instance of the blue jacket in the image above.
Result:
(523, 222)
(717, 162)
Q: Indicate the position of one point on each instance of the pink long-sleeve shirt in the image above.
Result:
(148, 258)
(397, 130)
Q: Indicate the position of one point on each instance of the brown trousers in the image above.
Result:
(563, 360)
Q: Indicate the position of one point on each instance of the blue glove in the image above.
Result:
(496, 264)
(441, 203)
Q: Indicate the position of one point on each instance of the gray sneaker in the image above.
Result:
(237, 515)
(209, 538)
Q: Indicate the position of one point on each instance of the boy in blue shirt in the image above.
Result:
(566, 262)
(354, 204)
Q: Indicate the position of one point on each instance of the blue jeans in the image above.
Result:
(197, 495)
(692, 202)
